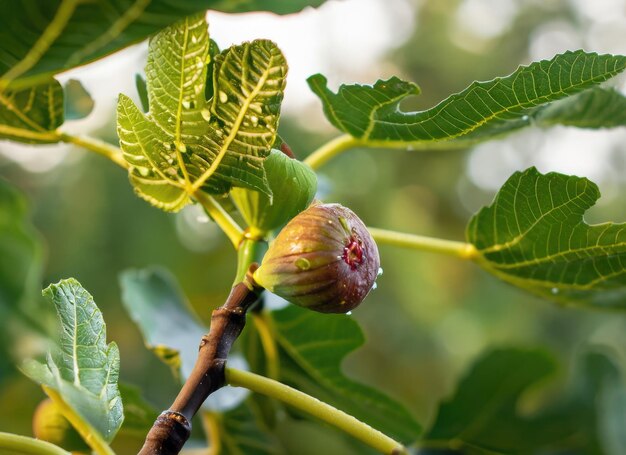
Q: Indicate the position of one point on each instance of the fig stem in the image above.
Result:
(250, 250)
(345, 142)
(315, 407)
(173, 427)
(330, 149)
(221, 217)
(13, 443)
(262, 323)
(95, 145)
(461, 250)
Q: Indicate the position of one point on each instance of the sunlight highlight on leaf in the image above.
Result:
(186, 143)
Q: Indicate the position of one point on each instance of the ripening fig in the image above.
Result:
(324, 259)
(49, 424)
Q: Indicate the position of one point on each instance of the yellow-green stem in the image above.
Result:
(330, 149)
(268, 341)
(461, 250)
(15, 444)
(210, 422)
(249, 250)
(215, 210)
(315, 407)
(86, 431)
(107, 150)
(345, 142)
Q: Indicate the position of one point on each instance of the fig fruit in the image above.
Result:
(324, 259)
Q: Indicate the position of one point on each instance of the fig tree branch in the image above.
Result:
(173, 427)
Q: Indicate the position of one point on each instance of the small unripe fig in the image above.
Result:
(293, 184)
(324, 259)
(50, 425)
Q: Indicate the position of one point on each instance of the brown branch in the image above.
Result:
(173, 427)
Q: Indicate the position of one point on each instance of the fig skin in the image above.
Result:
(324, 259)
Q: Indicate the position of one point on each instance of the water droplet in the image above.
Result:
(303, 264)
(380, 271)
(555, 291)
(171, 171)
(194, 39)
(202, 219)
(143, 171)
(255, 120)
(186, 104)
(349, 313)
(182, 148)
(375, 285)
(223, 97)
(206, 114)
(168, 145)
(524, 117)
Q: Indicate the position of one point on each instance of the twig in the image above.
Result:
(173, 427)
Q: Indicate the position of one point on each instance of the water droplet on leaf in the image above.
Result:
(206, 114)
(254, 120)
(555, 291)
(380, 271)
(223, 97)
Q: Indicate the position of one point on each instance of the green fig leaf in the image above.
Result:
(483, 416)
(186, 143)
(32, 115)
(480, 112)
(534, 236)
(594, 108)
(169, 326)
(83, 369)
(312, 348)
(241, 433)
(41, 38)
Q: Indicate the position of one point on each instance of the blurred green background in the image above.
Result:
(430, 315)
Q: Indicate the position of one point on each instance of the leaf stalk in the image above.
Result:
(13, 443)
(221, 217)
(317, 408)
(461, 250)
